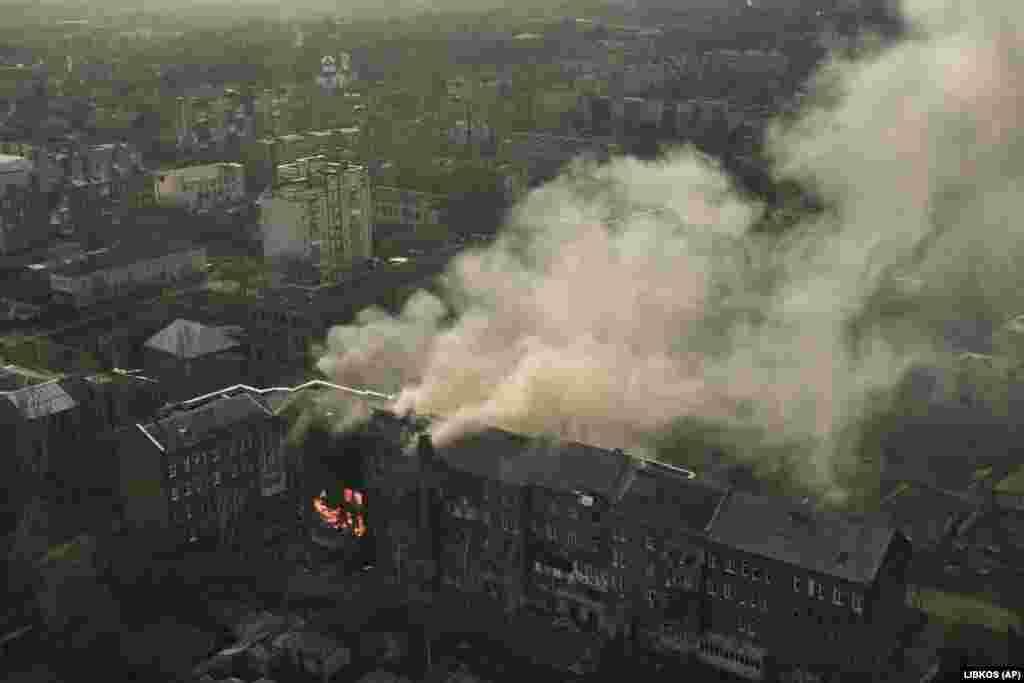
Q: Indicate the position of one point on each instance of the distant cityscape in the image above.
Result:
(188, 206)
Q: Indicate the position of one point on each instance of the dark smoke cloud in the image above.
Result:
(623, 298)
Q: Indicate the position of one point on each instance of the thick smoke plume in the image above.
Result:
(623, 298)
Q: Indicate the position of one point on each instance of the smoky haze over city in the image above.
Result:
(446, 342)
(621, 298)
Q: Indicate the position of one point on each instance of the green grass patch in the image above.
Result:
(982, 473)
(952, 609)
(1013, 484)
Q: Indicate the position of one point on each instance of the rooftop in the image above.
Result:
(13, 377)
(186, 339)
(515, 458)
(39, 400)
(185, 427)
(829, 543)
(122, 255)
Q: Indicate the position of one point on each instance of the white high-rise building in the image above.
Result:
(319, 210)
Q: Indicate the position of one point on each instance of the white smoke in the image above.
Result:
(624, 297)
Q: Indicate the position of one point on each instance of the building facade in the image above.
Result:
(206, 469)
(120, 271)
(201, 187)
(600, 543)
(322, 211)
(398, 212)
(18, 204)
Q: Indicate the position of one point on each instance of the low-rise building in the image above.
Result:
(402, 212)
(121, 270)
(188, 357)
(201, 187)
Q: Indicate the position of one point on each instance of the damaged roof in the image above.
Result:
(531, 461)
(844, 546)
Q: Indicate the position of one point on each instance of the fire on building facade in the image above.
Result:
(342, 521)
(502, 530)
(603, 543)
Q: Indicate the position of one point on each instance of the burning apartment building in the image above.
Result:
(603, 545)
(514, 533)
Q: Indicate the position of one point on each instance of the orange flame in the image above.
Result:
(340, 518)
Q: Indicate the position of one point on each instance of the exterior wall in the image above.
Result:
(201, 187)
(283, 221)
(210, 486)
(407, 208)
(140, 482)
(19, 205)
(832, 634)
(184, 378)
(636, 569)
(336, 213)
(348, 233)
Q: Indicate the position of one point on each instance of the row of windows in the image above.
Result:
(728, 592)
(509, 524)
(725, 653)
(197, 460)
(840, 597)
(746, 569)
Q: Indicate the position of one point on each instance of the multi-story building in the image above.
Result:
(206, 469)
(402, 212)
(17, 201)
(46, 421)
(322, 211)
(187, 357)
(604, 543)
(201, 188)
(775, 568)
(122, 270)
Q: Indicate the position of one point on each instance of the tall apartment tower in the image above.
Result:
(348, 240)
(320, 210)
